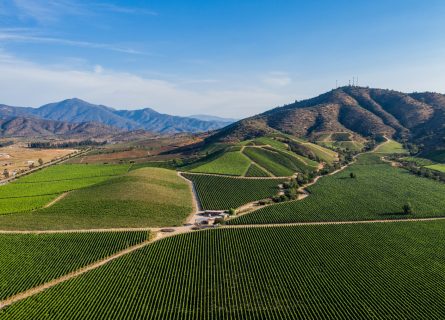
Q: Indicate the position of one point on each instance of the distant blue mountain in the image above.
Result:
(79, 111)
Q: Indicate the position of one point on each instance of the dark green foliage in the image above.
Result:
(221, 193)
(255, 171)
(367, 271)
(277, 162)
(407, 208)
(28, 260)
(378, 192)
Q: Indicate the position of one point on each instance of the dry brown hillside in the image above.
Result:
(419, 117)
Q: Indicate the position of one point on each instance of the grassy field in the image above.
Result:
(148, 197)
(28, 260)
(378, 192)
(419, 161)
(391, 147)
(222, 193)
(230, 163)
(37, 189)
(437, 167)
(344, 145)
(372, 271)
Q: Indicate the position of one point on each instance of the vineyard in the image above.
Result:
(30, 260)
(35, 190)
(391, 147)
(371, 271)
(220, 193)
(255, 171)
(273, 161)
(437, 167)
(148, 197)
(379, 191)
(230, 163)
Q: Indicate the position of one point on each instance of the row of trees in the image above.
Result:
(67, 144)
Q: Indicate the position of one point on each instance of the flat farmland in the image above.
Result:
(367, 271)
(18, 156)
(113, 156)
(29, 260)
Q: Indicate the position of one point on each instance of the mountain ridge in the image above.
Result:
(75, 110)
(362, 112)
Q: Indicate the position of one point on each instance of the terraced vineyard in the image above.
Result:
(437, 167)
(418, 161)
(391, 147)
(230, 163)
(147, 197)
(35, 190)
(28, 260)
(372, 271)
(280, 164)
(220, 193)
(379, 191)
(256, 171)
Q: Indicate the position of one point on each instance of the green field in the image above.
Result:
(419, 161)
(437, 167)
(256, 171)
(37, 189)
(391, 147)
(372, 271)
(220, 193)
(230, 163)
(148, 197)
(279, 163)
(322, 153)
(378, 192)
(344, 145)
(28, 260)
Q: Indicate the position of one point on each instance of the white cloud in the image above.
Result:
(124, 10)
(277, 79)
(98, 69)
(28, 84)
(45, 12)
(24, 36)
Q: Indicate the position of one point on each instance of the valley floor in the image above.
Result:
(269, 263)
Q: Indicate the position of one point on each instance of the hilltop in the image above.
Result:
(359, 112)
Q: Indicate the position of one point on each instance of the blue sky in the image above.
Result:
(228, 58)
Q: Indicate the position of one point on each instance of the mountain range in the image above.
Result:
(71, 113)
(363, 112)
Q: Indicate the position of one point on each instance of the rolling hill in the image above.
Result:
(357, 111)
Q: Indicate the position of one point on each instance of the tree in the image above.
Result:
(40, 161)
(32, 165)
(232, 212)
(6, 173)
(352, 175)
(407, 208)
